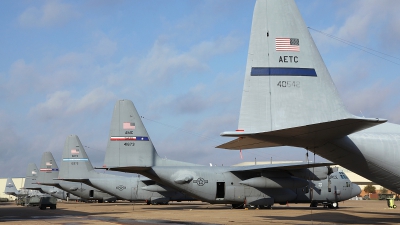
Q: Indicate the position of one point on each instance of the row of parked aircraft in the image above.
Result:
(258, 185)
(285, 103)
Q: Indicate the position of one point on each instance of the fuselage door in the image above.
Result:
(220, 191)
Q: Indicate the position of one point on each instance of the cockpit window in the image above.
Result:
(343, 176)
(333, 177)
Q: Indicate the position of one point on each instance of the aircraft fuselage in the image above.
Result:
(217, 185)
(373, 153)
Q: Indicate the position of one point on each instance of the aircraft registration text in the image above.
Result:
(289, 84)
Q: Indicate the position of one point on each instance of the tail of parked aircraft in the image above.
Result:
(75, 163)
(10, 188)
(289, 97)
(31, 177)
(130, 145)
(48, 170)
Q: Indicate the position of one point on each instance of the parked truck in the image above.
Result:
(50, 202)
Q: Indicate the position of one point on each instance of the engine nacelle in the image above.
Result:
(156, 188)
(159, 200)
(110, 199)
(316, 173)
(259, 201)
(275, 182)
(183, 179)
(238, 194)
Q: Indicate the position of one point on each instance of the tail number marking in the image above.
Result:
(289, 84)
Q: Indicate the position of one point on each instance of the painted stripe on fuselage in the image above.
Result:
(48, 169)
(72, 159)
(129, 138)
(280, 71)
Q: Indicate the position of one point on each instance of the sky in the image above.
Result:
(64, 64)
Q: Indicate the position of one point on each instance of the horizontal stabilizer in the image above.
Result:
(157, 188)
(72, 180)
(305, 136)
(247, 142)
(127, 169)
(54, 184)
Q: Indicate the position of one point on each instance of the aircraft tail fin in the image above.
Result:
(48, 170)
(130, 147)
(287, 86)
(75, 162)
(31, 177)
(286, 82)
(129, 143)
(10, 188)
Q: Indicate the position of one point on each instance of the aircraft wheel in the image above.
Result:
(100, 201)
(394, 206)
(148, 202)
(314, 204)
(335, 205)
(237, 206)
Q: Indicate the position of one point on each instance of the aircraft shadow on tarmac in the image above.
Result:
(181, 208)
(33, 213)
(15, 214)
(395, 213)
(338, 217)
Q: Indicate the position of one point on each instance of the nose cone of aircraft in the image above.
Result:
(355, 190)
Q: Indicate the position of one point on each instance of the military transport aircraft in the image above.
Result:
(31, 184)
(262, 185)
(76, 167)
(289, 99)
(10, 189)
(49, 170)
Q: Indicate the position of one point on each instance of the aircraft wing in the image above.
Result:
(126, 169)
(303, 136)
(276, 167)
(72, 179)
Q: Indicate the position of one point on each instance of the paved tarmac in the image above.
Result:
(350, 212)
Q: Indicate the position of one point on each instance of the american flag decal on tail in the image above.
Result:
(74, 151)
(128, 126)
(287, 44)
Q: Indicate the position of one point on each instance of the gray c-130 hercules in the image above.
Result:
(261, 185)
(295, 102)
(48, 173)
(76, 167)
(31, 184)
(11, 189)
